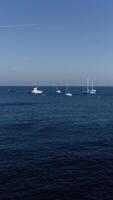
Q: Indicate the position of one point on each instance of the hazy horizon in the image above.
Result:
(56, 42)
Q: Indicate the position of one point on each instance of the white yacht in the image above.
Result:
(88, 90)
(68, 93)
(58, 91)
(92, 91)
(36, 91)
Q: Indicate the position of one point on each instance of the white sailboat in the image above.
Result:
(87, 91)
(92, 91)
(68, 93)
(36, 91)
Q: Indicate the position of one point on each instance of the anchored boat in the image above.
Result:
(36, 91)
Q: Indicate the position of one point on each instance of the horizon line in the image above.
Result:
(38, 85)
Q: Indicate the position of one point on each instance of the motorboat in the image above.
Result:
(35, 90)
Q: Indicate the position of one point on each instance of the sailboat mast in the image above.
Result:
(92, 84)
(87, 85)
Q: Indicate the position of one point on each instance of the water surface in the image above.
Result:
(55, 147)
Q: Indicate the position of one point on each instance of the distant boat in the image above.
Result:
(58, 91)
(68, 93)
(88, 90)
(36, 91)
(92, 91)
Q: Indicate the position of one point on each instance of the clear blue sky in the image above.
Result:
(56, 42)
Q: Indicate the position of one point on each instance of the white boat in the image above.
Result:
(58, 91)
(92, 91)
(88, 90)
(36, 91)
(68, 93)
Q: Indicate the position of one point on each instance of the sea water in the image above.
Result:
(55, 147)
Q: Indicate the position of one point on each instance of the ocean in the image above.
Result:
(55, 147)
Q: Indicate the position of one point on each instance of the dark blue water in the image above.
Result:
(55, 147)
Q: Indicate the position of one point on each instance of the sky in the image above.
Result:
(49, 42)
